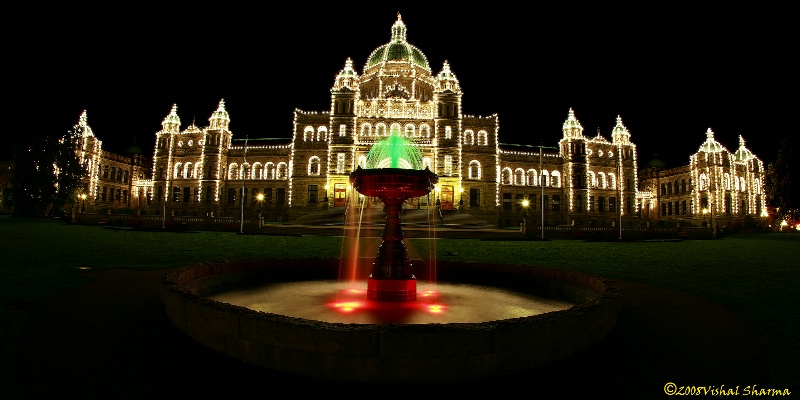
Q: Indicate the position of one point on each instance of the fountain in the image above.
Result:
(391, 347)
(392, 277)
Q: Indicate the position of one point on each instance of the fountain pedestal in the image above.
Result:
(392, 276)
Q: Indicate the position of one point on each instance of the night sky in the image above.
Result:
(670, 74)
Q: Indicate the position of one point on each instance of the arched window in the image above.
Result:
(198, 171)
(269, 171)
(601, 176)
(612, 181)
(483, 138)
(283, 171)
(362, 162)
(592, 179)
(308, 134)
(506, 176)
(177, 171)
(233, 171)
(245, 173)
(366, 130)
(411, 130)
(258, 171)
(425, 131)
(531, 179)
(474, 169)
(519, 176)
(313, 165)
(555, 179)
(187, 170)
(380, 130)
(545, 178)
(469, 138)
(703, 182)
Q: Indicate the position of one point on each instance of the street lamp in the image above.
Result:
(83, 202)
(524, 226)
(705, 216)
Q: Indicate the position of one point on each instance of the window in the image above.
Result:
(176, 192)
(231, 195)
(313, 165)
(448, 165)
(474, 169)
(280, 196)
(313, 192)
(105, 193)
(342, 130)
(448, 132)
(556, 202)
(340, 163)
(507, 201)
(578, 203)
(601, 204)
(612, 204)
(187, 194)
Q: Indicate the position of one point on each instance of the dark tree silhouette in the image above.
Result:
(47, 174)
(783, 180)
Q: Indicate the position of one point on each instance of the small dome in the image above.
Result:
(134, 148)
(656, 162)
(711, 145)
(743, 153)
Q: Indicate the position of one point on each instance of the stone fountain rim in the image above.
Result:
(390, 353)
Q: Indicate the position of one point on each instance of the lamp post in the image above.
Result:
(260, 199)
(83, 202)
(705, 216)
(524, 225)
(461, 200)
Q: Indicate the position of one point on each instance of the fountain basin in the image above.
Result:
(393, 352)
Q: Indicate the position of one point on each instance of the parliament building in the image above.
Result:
(581, 180)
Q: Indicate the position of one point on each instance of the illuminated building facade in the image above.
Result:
(114, 182)
(592, 181)
(716, 187)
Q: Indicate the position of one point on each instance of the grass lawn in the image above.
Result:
(756, 276)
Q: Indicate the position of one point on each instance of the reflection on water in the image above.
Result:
(346, 302)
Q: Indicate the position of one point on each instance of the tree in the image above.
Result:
(47, 174)
(782, 184)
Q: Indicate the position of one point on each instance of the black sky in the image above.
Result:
(669, 73)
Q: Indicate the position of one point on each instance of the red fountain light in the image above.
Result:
(392, 277)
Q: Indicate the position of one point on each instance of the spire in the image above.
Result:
(743, 153)
(620, 134)
(711, 145)
(220, 118)
(399, 30)
(347, 77)
(447, 79)
(171, 123)
(572, 128)
(82, 126)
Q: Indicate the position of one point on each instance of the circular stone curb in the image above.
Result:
(393, 352)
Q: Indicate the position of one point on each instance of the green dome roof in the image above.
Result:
(398, 50)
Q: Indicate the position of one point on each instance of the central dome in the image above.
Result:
(398, 50)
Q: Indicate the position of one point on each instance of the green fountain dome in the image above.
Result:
(398, 49)
(394, 151)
